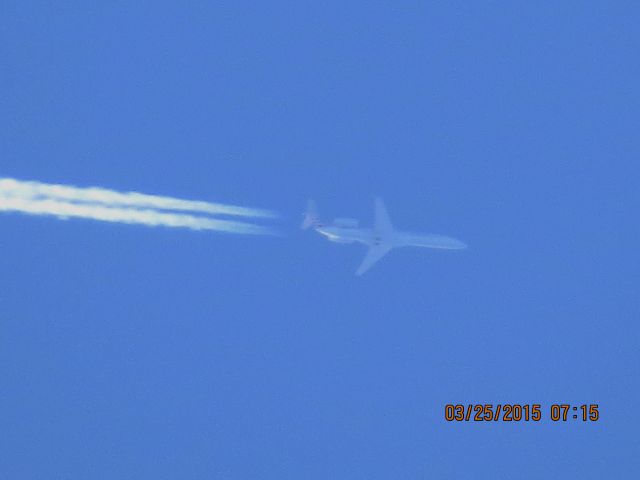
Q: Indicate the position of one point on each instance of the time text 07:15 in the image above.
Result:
(514, 412)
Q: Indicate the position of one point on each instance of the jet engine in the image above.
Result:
(345, 222)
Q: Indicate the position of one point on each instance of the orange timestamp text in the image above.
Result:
(514, 412)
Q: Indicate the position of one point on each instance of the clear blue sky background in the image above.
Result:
(130, 352)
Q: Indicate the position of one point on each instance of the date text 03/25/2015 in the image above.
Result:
(514, 412)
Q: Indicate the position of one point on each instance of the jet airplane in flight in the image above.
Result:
(380, 239)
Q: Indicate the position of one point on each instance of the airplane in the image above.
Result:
(380, 239)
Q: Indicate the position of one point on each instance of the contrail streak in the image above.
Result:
(62, 201)
(31, 189)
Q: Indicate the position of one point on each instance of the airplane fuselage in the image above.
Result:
(368, 236)
(348, 235)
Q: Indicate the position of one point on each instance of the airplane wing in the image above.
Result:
(375, 253)
(384, 231)
(382, 223)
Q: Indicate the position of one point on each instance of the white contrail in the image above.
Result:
(31, 189)
(109, 206)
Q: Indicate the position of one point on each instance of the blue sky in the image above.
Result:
(129, 352)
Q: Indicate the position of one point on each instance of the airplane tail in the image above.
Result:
(310, 216)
